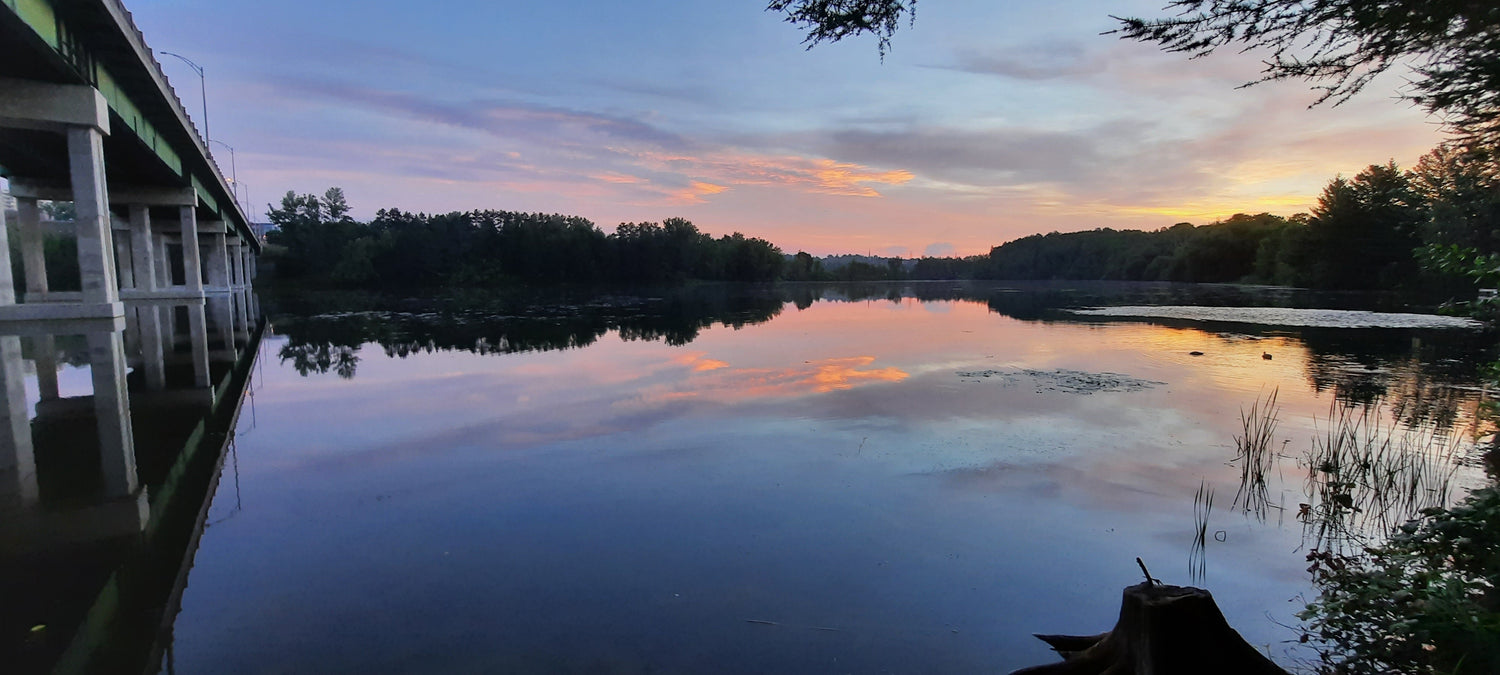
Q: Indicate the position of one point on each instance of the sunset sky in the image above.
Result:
(987, 121)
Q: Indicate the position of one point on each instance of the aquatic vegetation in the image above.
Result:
(1064, 381)
(1203, 505)
(1366, 476)
(1255, 457)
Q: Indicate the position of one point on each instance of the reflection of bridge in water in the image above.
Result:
(111, 474)
(109, 484)
(104, 478)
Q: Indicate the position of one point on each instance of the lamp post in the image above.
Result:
(234, 174)
(202, 88)
(249, 205)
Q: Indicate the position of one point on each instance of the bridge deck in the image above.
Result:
(152, 140)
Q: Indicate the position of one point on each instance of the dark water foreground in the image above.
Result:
(873, 478)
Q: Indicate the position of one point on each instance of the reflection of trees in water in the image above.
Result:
(324, 342)
(321, 358)
(1424, 378)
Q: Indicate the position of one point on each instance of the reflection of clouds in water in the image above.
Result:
(722, 383)
(699, 362)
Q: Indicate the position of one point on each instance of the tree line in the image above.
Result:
(318, 243)
(1380, 229)
(1434, 227)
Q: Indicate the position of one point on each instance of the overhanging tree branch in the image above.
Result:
(1451, 47)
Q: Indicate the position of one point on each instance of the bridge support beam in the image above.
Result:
(33, 247)
(112, 409)
(244, 263)
(96, 248)
(218, 263)
(242, 314)
(221, 307)
(17, 464)
(198, 334)
(124, 262)
(141, 247)
(46, 367)
(82, 115)
(17, 457)
(153, 364)
(163, 262)
(192, 265)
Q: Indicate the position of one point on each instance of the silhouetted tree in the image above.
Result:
(1363, 231)
(1452, 47)
(804, 267)
(834, 20)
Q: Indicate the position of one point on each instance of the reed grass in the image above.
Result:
(1367, 476)
(1254, 454)
(1203, 505)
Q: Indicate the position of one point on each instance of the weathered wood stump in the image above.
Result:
(1162, 630)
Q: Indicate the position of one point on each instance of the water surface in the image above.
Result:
(808, 479)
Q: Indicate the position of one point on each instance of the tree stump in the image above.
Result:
(1162, 630)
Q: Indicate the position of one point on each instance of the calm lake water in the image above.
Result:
(808, 479)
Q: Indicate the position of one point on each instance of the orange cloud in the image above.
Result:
(730, 168)
(696, 191)
(619, 179)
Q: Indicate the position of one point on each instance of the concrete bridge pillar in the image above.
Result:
(33, 248)
(132, 333)
(17, 458)
(7, 280)
(81, 115)
(168, 329)
(141, 249)
(242, 314)
(219, 264)
(192, 265)
(124, 261)
(163, 262)
(46, 367)
(198, 334)
(112, 408)
(153, 364)
(17, 463)
(96, 251)
(242, 263)
(222, 308)
(233, 257)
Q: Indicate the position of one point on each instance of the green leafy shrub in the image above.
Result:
(1425, 602)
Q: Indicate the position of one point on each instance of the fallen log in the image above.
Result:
(1162, 630)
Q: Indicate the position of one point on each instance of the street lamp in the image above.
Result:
(250, 214)
(202, 88)
(234, 174)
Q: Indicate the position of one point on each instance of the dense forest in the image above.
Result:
(1384, 228)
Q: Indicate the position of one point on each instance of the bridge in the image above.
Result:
(87, 116)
